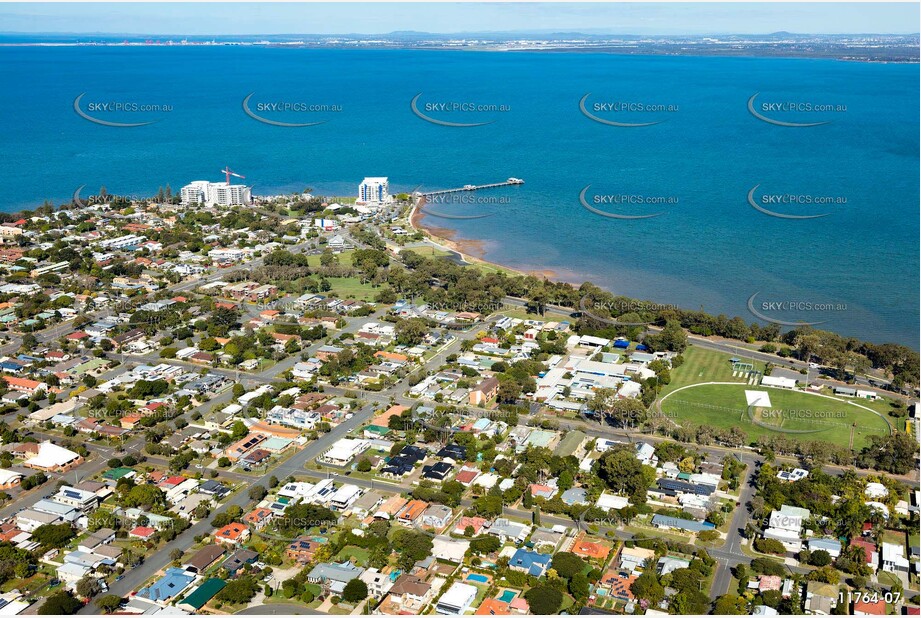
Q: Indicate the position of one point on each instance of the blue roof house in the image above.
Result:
(167, 587)
(530, 562)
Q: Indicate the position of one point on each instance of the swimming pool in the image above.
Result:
(476, 577)
(507, 596)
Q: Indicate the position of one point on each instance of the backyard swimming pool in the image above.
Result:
(476, 577)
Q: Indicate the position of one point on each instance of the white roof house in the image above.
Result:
(894, 558)
(457, 599)
(344, 496)
(786, 526)
(608, 502)
(452, 550)
(646, 453)
(9, 477)
(51, 456)
(344, 450)
(876, 490)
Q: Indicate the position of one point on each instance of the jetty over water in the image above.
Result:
(509, 182)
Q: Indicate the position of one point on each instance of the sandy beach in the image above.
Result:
(472, 251)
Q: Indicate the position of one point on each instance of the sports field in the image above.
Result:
(702, 365)
(798, 415)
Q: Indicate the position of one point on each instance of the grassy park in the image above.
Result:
(797, 414)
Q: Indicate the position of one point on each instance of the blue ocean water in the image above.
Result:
(710, 250)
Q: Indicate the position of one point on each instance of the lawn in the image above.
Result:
(520, 314)
(352, 287)
(701, 365)
(896, 537)
(797, 414)
(430, 251)
(344, 258)
(358, 555)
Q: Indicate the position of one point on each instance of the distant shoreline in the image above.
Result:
(898, 49)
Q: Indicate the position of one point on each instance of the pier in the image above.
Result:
(507, 183)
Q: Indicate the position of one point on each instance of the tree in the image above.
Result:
(53, 535)
(622, 472)
(484, 544)
(567, 564)
(88, 587)
(543, 599)
(145, 495)
(647, 587)
(411, 332)
(770, 546)
(894, 453)
(579, 586)
(364, 465)
(257, 492)
(239, 430)
(412, 547)
(689, 603)
(730, 605)
(355, 590)
(239, 591)
(672, 337)
(820, 558)
(109, 603)
(826, 574)
(62, 602)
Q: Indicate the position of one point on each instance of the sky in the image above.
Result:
(458, 17)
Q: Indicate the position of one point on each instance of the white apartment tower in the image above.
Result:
(374, 190)
(216, 194)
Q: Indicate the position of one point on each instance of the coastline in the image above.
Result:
(469, 250)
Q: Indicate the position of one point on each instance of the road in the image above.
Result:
(279, 608)
(732, 548)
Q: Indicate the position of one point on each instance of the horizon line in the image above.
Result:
(464, 32)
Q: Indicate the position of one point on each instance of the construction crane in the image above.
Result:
(228, 173)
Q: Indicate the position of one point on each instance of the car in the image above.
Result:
(119, 578)
(814, 366)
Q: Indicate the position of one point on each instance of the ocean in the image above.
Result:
(854, 271)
